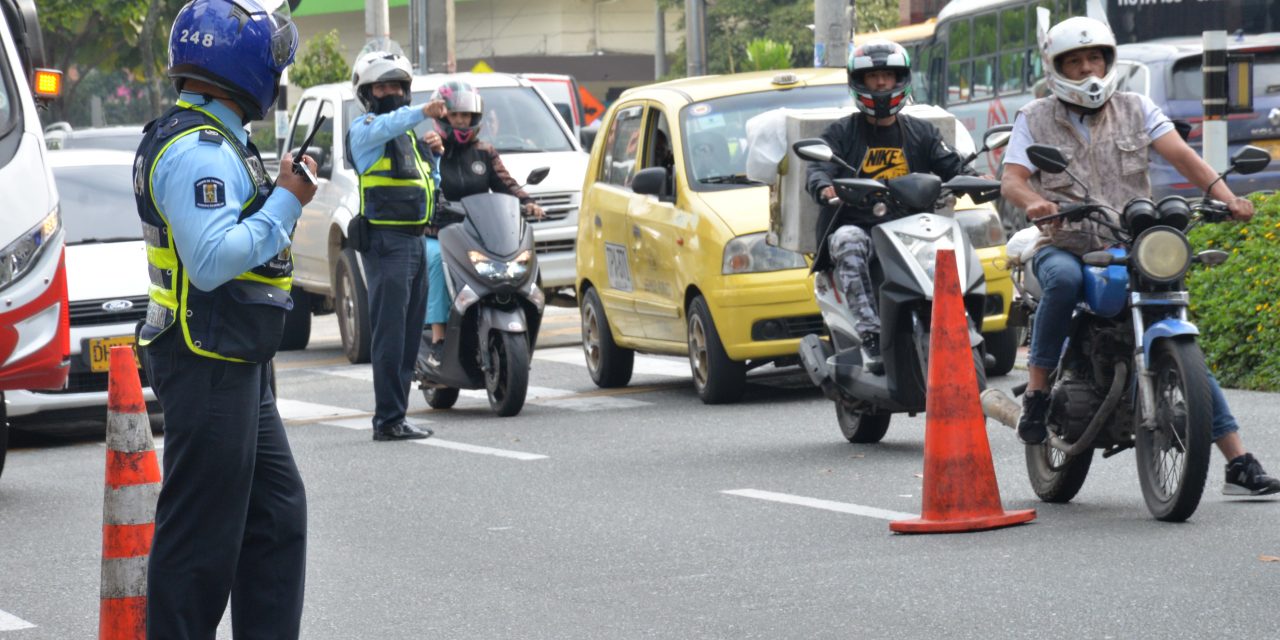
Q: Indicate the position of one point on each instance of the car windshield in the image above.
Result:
(715, 131)
(97, 203)
(1188, 82)
(516, 120)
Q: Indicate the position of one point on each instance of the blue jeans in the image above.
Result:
(437, 294)
(1061, 278)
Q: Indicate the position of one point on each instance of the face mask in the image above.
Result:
(387, 104)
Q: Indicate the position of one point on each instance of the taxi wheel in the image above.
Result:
(609, 365)
(717, 378)
(351, 301)
(1003, 346)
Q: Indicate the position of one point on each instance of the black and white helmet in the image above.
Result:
(379, 66)
(876, 55)
(1074, 34)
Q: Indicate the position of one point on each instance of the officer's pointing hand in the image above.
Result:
(298, 185)
(435, 109)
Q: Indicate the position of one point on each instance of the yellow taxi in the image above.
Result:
(672, 255)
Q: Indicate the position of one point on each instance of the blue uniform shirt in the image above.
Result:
(369, 133)
(201, 187)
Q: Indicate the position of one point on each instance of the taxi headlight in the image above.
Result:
(751, 254)
(982, 227)
(1162, 254)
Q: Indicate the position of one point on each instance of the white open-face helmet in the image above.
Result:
(374, 67)
(1074, 34)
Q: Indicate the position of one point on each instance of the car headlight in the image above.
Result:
(924, 251)
(982, 226)
(751, 254)
(498, 270)
(1162, 254)
(23, 252)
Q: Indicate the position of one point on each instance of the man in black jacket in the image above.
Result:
(882, 144)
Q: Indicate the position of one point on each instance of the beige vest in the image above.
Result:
(1113, 164)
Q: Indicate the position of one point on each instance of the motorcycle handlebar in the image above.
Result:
(1212, 210)
(1073, 212)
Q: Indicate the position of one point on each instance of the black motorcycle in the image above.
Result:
(1132, 375)
(495, 310)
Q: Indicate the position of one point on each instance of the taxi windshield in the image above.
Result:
(715, 143)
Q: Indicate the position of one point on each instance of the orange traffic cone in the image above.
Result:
(960, 492)
(129, 503)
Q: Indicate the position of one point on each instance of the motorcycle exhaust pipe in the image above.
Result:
(1001, 408)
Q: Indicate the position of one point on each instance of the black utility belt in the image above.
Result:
(406, 229)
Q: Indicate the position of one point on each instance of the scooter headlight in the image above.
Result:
(924, 251)
(1162, 254)
(498, 270)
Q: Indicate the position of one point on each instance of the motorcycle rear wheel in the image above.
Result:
(1054, 476)
(507, 380)
(1173, 455)
(440, 397)
(861, 427)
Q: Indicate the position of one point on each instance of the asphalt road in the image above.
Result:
(641, 513)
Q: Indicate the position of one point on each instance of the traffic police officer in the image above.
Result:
(231, 516)
(397, 198)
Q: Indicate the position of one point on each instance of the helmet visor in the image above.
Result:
(284, 34)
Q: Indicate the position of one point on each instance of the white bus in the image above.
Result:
(34, 320)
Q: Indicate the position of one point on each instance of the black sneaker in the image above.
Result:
(1031, 425)
(871, 348)
(1245, 477)
(435, 355)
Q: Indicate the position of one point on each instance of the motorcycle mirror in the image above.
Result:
(813, 149)
(1097, 258)
(537, 175)
(1250, 159)
(1212, 257)
(998, 140)
(1046, 158)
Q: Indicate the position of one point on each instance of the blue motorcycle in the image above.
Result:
(1131, 374)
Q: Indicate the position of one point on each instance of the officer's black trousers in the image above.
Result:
(232, 515)
(396, 265)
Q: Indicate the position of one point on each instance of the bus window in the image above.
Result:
(958, 74)
(984, 78)
(1011, 71)
(984, 34)
(958, 41)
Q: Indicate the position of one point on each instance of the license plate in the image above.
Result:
(100, 351)
(1272, 147)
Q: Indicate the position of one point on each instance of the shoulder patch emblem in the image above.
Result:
(369, 119)
(478, 168)
(210, 193)
(210, 136)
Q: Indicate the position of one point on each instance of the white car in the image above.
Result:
(106, 278)
(520, 122)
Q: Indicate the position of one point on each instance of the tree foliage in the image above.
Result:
(763, 55)
(731, 25)
(83, 35)
(322, 61)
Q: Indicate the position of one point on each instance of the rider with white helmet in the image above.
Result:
(1106, 135)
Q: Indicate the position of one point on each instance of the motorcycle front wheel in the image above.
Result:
(1173, 447)
(1055, 476)
(440, 397)
(507, 379)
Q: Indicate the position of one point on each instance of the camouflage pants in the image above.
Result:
(851, 252)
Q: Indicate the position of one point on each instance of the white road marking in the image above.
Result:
(366, 424)
(362, 372)
(669, 366)
(10, 622)
(299, 410)
(816, 503)
(471, 448)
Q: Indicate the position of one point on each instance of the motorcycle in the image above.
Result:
(917, 207)
(1131, 375)
(491, 272)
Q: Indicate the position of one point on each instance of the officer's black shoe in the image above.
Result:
(871, 348)
(1031, 426)
(402, 431)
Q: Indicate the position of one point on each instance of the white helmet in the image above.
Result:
(1070, 35)
(380, 66)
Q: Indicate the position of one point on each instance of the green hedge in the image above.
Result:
(1237, 304)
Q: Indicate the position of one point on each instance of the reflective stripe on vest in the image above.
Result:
(380, 193)
(236, 321)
